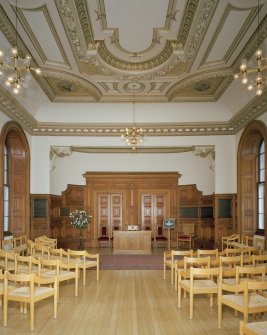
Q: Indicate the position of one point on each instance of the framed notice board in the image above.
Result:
(40, 208)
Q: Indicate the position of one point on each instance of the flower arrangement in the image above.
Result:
(80, 219)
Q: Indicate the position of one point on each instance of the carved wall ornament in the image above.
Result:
(205, 151)
(60, 152)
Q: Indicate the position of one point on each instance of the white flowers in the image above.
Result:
(80, 219)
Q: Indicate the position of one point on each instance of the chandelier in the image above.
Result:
(134, 135)
(16, 70)
(251, 72)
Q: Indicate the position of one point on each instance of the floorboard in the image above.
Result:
(123, 302)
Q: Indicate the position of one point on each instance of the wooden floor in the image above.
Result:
(123, 302)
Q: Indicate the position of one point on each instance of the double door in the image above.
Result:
(154, 210)
(109, 212)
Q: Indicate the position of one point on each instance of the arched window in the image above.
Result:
(261, 186)
(16, 181)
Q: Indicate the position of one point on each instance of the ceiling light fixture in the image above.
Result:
(255, 66)
(134, 135)
(15, 69)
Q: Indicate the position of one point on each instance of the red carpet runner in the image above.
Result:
(131, 262)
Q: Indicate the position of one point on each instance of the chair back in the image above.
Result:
(204, 253)
(202, 262)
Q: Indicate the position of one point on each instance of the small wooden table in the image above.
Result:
(132, 242)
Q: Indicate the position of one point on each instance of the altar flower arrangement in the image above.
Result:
(80, 219)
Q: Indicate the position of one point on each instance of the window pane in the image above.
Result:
(261, 206)
(5, 223)
(261, 221)
(262, 175)
(5, 193)
(261, 191)
(5, 208)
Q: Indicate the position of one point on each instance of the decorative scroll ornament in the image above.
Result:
(58, 152)
(203, 152)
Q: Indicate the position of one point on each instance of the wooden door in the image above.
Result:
(153, 210)
(109, 211)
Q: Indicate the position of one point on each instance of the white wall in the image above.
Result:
(194, 169)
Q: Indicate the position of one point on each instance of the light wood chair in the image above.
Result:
(50, 242)
(60, 254)
(84, 260)
(228, 241)
(29, 289)
(248, 240)
(231, 252)
(50, 268)
(243, 297)
(186, 235)
(253, 328)
(26, 264)
(179, 264)
(201, 281)
(20, 244)
(41, 251)
(174, 259)
(213, 253)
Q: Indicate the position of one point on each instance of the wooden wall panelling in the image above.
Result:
(131, 185)
(225, 222)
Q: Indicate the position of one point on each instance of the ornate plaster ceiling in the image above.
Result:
(147, 50)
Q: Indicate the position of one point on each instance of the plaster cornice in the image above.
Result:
(10, 107)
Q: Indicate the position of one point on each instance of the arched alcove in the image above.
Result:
(13, 137)
(247, 166)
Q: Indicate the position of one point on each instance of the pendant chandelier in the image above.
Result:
(134, 135)
(16, 70)
(252, 71)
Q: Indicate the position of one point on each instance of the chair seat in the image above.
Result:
(259, 327)
(103, 238)
(255, 300)
(187, 237)
(24, 291)
(200, 284)
(161, 238)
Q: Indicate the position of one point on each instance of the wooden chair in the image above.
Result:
(185, 236)
(50, 242)
(179, 263)
(202, 281)
(26, 264)
(20, 244)
(29, 289)
(243, 297)
(228, 265)
(253, 328)
(41, 251)
(49, 268)
(231, 252)
(160, 239)
(60, 254)
(103, 238)
(228, 241)
(84, 261)
(248, 240)
(213, 253)
(174, 259)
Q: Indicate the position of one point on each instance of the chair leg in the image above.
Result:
(84, 276)
(32, 315)
(191, 296)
